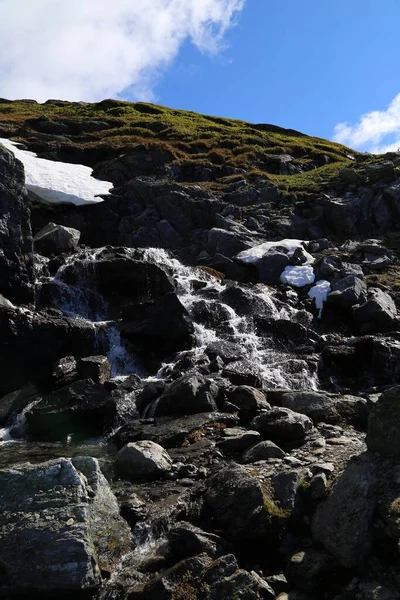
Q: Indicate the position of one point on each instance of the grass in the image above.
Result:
(189, 137)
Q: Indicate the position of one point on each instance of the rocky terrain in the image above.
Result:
(200, 374)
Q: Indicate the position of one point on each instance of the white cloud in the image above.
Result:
(92, 49)
(373, 130)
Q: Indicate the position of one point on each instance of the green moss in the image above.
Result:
(276, 511)
(190, 137)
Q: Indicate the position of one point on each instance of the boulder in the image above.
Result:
(271, 266)
(263, 451)
(348, 291)
(250, 399)
(143, 460)
(282, 425)
(188, 395)
(379, 309)
(16, 255)
(97, 368)
(384, 423)
(63, 509)
(316, 405)
(237, 439)
(238, 505)
(342, 523)
(83, 409)
(55, 239)
(187, 540)
(310, 569)
(243, 372)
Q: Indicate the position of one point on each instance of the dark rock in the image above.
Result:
(229, 268)
(316, 405)
(16, 256)
(143, 460)
(70, 518)
(342, 523)
(379, 309)
(96, 368)
(227, 351)
(263, 451)
(227, 243)
(83, 409)
(347, 292)
(271, 266)
(310, 569)
(238, 439)
(383, 424)
(318, 486)
(55, 239)
(287, 333)
(236, 503)
(249, 399)
(187, 540)
(282, 425)
(188, 395)
(64, 371)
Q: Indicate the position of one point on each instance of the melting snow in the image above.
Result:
(320, 293)
(253, 255)
(298, 276)
(58, 182)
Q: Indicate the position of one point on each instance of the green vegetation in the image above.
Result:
(188, 137)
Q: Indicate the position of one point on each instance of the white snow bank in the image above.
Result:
(320, 293)
(298, 276)
(59, 182)
(253, 255)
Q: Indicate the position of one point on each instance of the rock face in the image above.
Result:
(16, 260)
(383, 424)
(342, 523)
(66, 513)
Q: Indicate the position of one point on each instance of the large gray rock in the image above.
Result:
(55, 239)
(263, 451)
(347, 292)
(384, 423)
(379, 309)
(143, 460)
(16, 252)
(342, 523)
(282, 425)
(316, 405)
(59, 527)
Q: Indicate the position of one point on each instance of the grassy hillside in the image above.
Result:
(187, 136)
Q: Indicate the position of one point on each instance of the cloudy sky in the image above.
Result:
(326, 68)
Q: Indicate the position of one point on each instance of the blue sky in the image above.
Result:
(306, 65)
(325, 67)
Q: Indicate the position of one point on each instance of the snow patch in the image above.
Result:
(320, 293)
(58, 182)
(253, 255)
(298, 276)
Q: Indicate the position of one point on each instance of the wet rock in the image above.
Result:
(383, 424)
(64, 371)
(162, 325)
(96, 368)
(143, 460)
(83, 409)
(55, 239)
(23, 332)
(287, 333)
(188, 395)
(379, 309)
(227, 351)
(16, 258)
(243, 372)
(70, 518)
(282, 425)
(342, 523)
(263, 451)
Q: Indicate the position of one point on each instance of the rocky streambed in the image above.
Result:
(195, 403)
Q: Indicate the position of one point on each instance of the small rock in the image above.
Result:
(263, 451)
(143, 459)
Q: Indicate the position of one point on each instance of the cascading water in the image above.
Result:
(277, 369)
